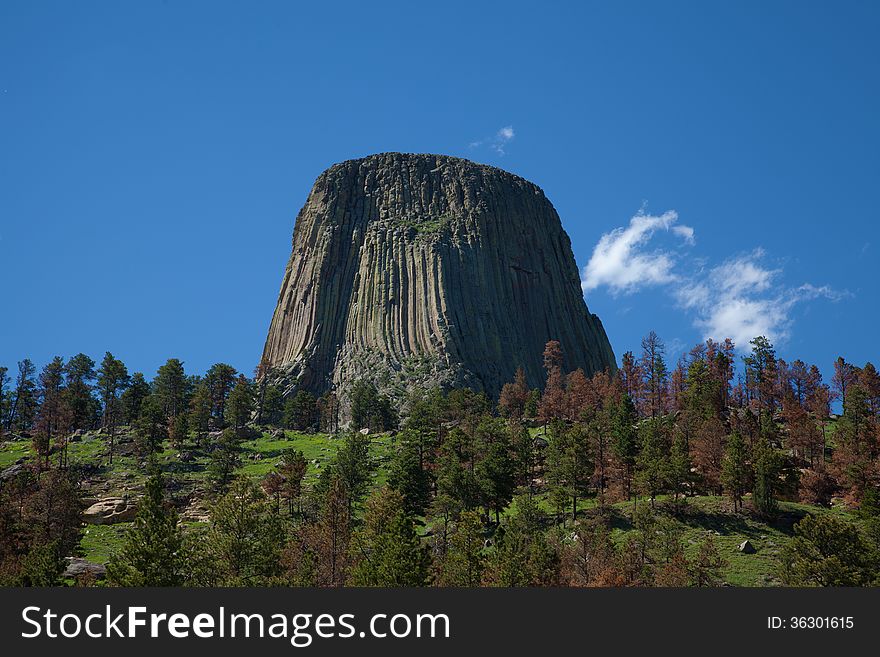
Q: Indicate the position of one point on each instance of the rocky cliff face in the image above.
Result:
(419, 270)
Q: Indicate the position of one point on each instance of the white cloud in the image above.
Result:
(497, 142)
(739, 299)
(685, 232)
(621, 262)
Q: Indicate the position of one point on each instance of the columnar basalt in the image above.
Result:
(422, 270)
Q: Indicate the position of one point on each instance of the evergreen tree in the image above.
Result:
(369, 409)
(318, 555)
(81, 404)
(624, 441)
(113, 379)
(52, 512)
(387, 551)
(826, 551)
(523, 556)
(200, 411)
(225, 459)
(293, 469)
(178, 431)
(273, 405)
(761, 374)
(495, 471)
(514, 396)
(243, 545)
(767, 464)
(151, 428)
(708, 565)
(220, 379)
(133, 397)
(653, 366)
(652, 462)
(43, 566)
(464, 562)
(152, 553)
(53, 412)
(23, 403)
(171, 388)
(735, 474)
(354, 466)
(407, 476)
(301, 411)
(240, 405)
(569, 465)
(680, 465)
(457, 487)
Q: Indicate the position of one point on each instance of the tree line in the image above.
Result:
(462, 505)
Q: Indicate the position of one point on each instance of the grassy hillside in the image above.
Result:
(190, 489)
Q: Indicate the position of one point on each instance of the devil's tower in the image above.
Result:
(422, 270)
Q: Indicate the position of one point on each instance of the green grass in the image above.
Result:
(12, 450)
(100, 542)
(318, 449)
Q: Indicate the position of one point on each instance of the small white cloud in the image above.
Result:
(686, 233)
(497, 142)
(620, 261)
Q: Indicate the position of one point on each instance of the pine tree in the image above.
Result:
(133, 397)
(767, 464)
(240, 405)
(225, 459)
(152, 552)
(553, 400)
(369, 409)
(178, 431)
(23, 404)
(151, 428)
(624, 443)
(569, 465)
(200, 411)
(113, 379)
(407, 476)
(220, 379)
(171, 388)
(761, 374)
(680, 477)
(735, 472)
(495, 471)
(293, 469)
(652, 462)
(52, 409)
(354, 466)
(387, 551)
(826, 551)
(523, 556)
(463, 562)
(301, 411)
(653, 367)
(330, 539)
(83, 407)
(243, 545)
(708, 565)
(273, 406)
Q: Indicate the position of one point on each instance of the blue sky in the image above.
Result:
(715, 164)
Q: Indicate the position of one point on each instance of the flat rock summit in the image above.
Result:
(421, 270)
